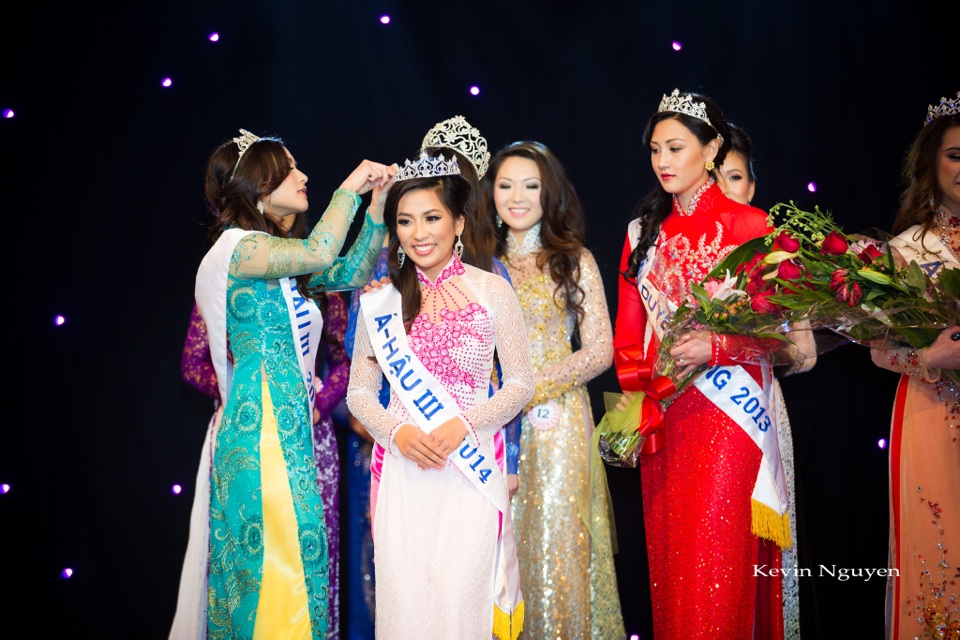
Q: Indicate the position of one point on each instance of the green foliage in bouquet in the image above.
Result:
(806, 273)
(808, 269)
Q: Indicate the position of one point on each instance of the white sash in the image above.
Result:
(659, 310)
(930, 254)
(306, 321)
(425, 398)
(738, 395)
(657, 306)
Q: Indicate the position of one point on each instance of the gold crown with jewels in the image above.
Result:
(427, 167)
(684, 104)
(457, 134)
(945, 108)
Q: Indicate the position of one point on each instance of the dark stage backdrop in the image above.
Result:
(106, 166)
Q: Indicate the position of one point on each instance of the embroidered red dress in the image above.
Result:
(697, 488)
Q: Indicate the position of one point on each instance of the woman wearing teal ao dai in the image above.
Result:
(268, 573)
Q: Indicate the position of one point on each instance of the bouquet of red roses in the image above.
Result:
(856, 285)
(771, 295)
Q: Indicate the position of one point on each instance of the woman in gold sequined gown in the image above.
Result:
(561, 508)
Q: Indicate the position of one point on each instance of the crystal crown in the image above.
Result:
(684, 104)
(427, 167)
(456, 133)
(945, 108)
(244, 141)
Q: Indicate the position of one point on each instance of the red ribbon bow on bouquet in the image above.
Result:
(636, 374)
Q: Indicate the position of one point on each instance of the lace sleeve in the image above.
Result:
(596, 336)
(905, 360)
(801, 355)
(196, 365)
(263, 256)
(363, 392)
(510, 338)
(513, 429)
(354, 269)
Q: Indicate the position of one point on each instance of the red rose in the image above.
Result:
(833, 245)
(787, 242)
(749, 267)
(788, 270)
(757, 285)
(855, 295)
(837, 278)
(761, 303)
(870, 253)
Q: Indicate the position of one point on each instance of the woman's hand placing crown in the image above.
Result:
(369, 175)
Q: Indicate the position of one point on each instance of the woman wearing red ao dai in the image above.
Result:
(699, 514)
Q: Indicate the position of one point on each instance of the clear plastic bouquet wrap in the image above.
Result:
(799, 291)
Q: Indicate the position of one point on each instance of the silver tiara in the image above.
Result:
(243, 142)
(945, 108)
(427, 167)
(457, 134)
(684, 104)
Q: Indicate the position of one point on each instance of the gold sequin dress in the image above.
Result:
(569, 585)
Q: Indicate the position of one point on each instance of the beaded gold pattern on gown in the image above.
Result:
(569, 585)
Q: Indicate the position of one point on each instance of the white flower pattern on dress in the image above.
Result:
(688, 263)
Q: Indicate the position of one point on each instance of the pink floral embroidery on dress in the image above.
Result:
(455, 268)
(451, 341)
(433, 342)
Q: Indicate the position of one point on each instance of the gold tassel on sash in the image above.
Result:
(505, 625)
(769, 525)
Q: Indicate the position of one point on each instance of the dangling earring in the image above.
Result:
(458, 247)
(710, 166)
(401, 256)
(499, 222)
(260, 206)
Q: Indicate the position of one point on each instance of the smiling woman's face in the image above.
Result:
(516, 194)
(426, 230)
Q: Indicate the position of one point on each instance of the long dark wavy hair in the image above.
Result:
(656, 205)
(922, 195)
(232, 196)
(454, 193)
(563, 226)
